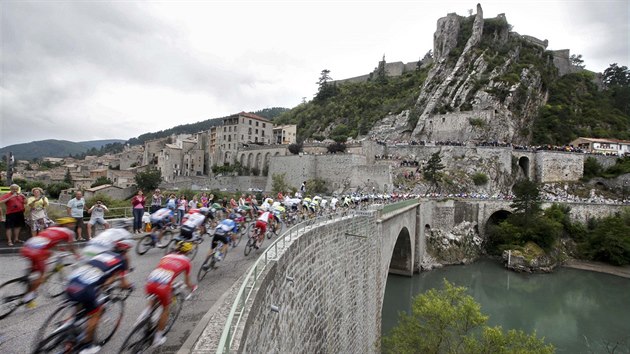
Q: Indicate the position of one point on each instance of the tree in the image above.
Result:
(616, 75)
(148, 180)
(450, 321)
(526, 199)
(576, 60)
(279, 183)
(325, 89)
(295, 148)
(317, 186)
(336, 147)
(101, 181)
(68, 177)
(432, 171)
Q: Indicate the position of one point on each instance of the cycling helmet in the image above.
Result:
(184, 247)
(232, 216)
(269, 200)
(123, 245)
(205, 211)
(66, 220)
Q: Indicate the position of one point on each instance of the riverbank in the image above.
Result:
(598, 267)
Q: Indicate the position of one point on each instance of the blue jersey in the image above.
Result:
(97, 270)
(227, 225)
(163, 214)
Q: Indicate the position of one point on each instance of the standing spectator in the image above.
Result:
(137, 203)
(15, 202)
(156, 201)
(303, 188)
(181, 208)
(171, 203)
(204, 200)
(233, 203)
(75, 208)
(194, 203)
(38, 203)
(210, 200)
(97, 212)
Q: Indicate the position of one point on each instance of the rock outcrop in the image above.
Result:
(485, 83)
(460, 245)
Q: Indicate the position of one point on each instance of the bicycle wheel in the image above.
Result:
(202, 272)
(11, 294)
(251, 242)
(55, 284)
(166, 238)
(111, 317)
(193, 252)
(61, 341)
(139, 340)
(145, 244)
(239, 236)
(171, 247)
(177, 301)
(63, 313)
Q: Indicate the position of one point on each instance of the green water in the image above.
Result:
(577, 311)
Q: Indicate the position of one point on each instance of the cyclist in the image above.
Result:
(39, 248)
(261, 225)
(106, 241)
(86, 283)
(333, 203)
(160, 220)
(160, 284)
(223, 233)
(196, 219)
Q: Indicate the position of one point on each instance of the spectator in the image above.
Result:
(194, 203)
(38, 203)
(75, 208)
(171, 203)
(181, 208)
(156, 201)
(211, 200)
(97, 212)
(303, 188)
(204, 200)
(15, 202)
(233, 203)
(137, 204)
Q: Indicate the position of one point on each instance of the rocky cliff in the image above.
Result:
(486, 83)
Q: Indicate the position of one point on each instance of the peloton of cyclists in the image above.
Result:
(39, 248)
(86, 283)
(160, 283)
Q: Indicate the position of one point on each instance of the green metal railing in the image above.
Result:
(399, 205)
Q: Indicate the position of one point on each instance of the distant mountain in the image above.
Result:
(53, 148)
(97, 144)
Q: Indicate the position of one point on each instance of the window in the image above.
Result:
(250, 122)
(256, 131)
(249, 131)
(262, 132)
(229, 129)
(224, 129)
(256, 123)
(263, 125)
(242, 137)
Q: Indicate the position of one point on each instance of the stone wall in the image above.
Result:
(228, 183)
(554, 166)
(332, 304)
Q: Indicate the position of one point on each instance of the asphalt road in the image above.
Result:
(17, 332)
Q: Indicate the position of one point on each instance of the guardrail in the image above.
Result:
(270, 254)
(399, 205)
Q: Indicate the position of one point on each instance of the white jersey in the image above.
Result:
(105, 241)
(265, 206)
(323, 203)
(265, 217)
(194, 220)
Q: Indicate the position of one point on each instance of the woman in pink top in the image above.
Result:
(137, 203)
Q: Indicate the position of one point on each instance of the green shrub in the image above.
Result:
(480, 179)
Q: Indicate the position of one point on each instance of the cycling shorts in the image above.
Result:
(186, 232)
(161, 291)
(85, 295)
(220, 237)
(262, 226)
(38, 258)
(158, 225)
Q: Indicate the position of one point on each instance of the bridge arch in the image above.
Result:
(523, 163)
(402, 255)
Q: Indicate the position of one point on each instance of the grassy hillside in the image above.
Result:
(49, 148)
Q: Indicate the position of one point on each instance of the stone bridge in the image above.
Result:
(324, 292)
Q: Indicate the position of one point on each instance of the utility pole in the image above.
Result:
(10, 163)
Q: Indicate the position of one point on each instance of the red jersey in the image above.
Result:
(170, 266)
(50, 238)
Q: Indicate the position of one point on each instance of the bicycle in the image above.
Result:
(151, 240)
(141, 336)
(12, 292)
(252, 234)
(211, 261)
(68, 324)
(196, 240)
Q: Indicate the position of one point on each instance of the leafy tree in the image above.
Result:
(576, 60)
(54, 189)
(68, 177)
(325, 88)
(432, 171)
(149, 180)
(295, 148)
(450, 321)
(317, 186)
(592, 168)
(336, 147)
(608, 240)
(101, 180)
(616, 75)
(479, 179)
(526, 199)
(279, 183)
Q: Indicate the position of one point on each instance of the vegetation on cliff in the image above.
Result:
(450, 321)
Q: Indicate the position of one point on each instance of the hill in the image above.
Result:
(55, 148)
(483, 82)
(97, 144)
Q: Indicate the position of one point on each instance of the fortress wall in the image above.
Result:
(554, 166)
(332, 304)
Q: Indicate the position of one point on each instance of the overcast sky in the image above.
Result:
(87, 70)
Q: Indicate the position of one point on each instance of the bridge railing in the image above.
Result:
(399, 205)
(257, 270)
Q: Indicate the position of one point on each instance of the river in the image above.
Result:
(575, 310)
